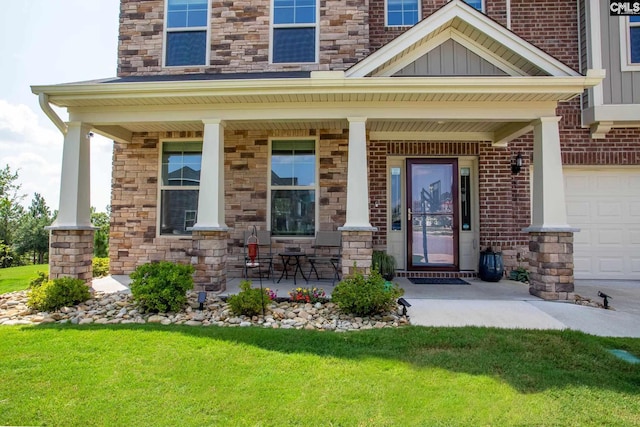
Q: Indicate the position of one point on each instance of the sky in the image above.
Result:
(45, 42)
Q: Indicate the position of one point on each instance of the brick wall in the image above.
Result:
(240, 38)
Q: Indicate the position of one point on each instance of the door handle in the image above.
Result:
(409, 214)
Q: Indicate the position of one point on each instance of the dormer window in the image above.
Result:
(186, 32)
(295, 31)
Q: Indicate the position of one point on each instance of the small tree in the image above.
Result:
(31, 235)
(10, 209)
(101, 235)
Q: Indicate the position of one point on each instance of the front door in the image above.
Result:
(432, 214)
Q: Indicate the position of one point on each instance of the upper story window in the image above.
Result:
(477, 4)
(186, 32)
(295, 31)
(293, 187)
(402, 12)
(179, 186)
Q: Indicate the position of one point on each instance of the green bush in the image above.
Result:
(384, 263)
(365, 296)
(161, 286)
(100, 266)
(38, 281)
(57, 293)
(249, 301)
(520, 274)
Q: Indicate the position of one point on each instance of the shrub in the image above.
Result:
(57, 293)
(38, 281)
(310, 295)
(249, 301)
(520, 274)
(161, 286)
(384, 263)
(100, 266)
(364, 296)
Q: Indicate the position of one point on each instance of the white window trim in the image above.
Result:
(625, 46)
(207, 30)
(386, 15)
(316, 187)
(161, 187)
(315, 25)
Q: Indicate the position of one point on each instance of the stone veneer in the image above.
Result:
(357, 250)
(209, 257)
(551, 265)
(134, 206)
(70, 254)
(240, 38)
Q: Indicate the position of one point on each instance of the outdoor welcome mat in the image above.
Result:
(437, 281)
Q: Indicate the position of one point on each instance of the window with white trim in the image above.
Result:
(476, 4)
(401, 13)
(179, 186)
(295, 31)
(293, 187)
(633, 31)
(186, 32)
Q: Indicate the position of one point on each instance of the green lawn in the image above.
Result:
(167, 376)
(18, 278)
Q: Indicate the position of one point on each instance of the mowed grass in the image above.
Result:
(18, 278)
(140, 375)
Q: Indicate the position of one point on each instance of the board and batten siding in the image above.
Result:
(619, 87)
(450, 59)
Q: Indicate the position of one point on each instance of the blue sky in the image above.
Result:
(48, 42)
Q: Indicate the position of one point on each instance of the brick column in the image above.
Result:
(551, 265)
(357, 247)
(70, 254)
(209, 257)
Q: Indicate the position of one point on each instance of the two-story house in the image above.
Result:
(425, 128)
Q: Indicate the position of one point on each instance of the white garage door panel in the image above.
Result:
(605, 204)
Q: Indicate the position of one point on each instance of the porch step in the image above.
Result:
(442, 274)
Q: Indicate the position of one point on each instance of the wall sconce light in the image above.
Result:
(516, 166)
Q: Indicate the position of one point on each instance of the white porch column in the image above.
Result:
(74, 210)
(357, 177)
(211, 195)
(549, 212)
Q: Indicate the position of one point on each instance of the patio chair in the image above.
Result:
(327, 249)
(263, 263)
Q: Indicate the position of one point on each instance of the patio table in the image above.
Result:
(291, 259)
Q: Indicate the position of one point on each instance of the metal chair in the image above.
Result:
(263, 262)
(327, 249)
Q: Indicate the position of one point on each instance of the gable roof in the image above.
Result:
(472, 29)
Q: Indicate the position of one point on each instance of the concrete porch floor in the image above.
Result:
(504, 304)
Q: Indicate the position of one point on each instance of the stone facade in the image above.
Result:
(357, 250)
(70, 254)
(209, 257)
(551, 265)
(240, 38)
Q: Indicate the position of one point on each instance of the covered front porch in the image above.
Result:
(359, 125)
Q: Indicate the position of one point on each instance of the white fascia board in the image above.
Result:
(382, 85)
(472, 17)
(486, 111)
(615, 113)
(430, 136)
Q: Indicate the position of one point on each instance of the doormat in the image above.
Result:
(437, 281)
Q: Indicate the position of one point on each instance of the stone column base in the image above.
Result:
(70, 254)
(209, 258)
(551, 263)
(357, 249)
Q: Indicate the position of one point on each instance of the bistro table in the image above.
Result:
(291, 258)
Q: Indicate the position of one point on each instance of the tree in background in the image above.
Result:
(101, 236)
(31, 236)
(10, 212)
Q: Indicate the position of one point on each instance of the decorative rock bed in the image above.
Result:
(118, 308)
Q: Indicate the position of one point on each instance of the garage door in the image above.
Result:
(605, 205)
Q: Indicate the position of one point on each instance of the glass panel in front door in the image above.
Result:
(432, 214)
